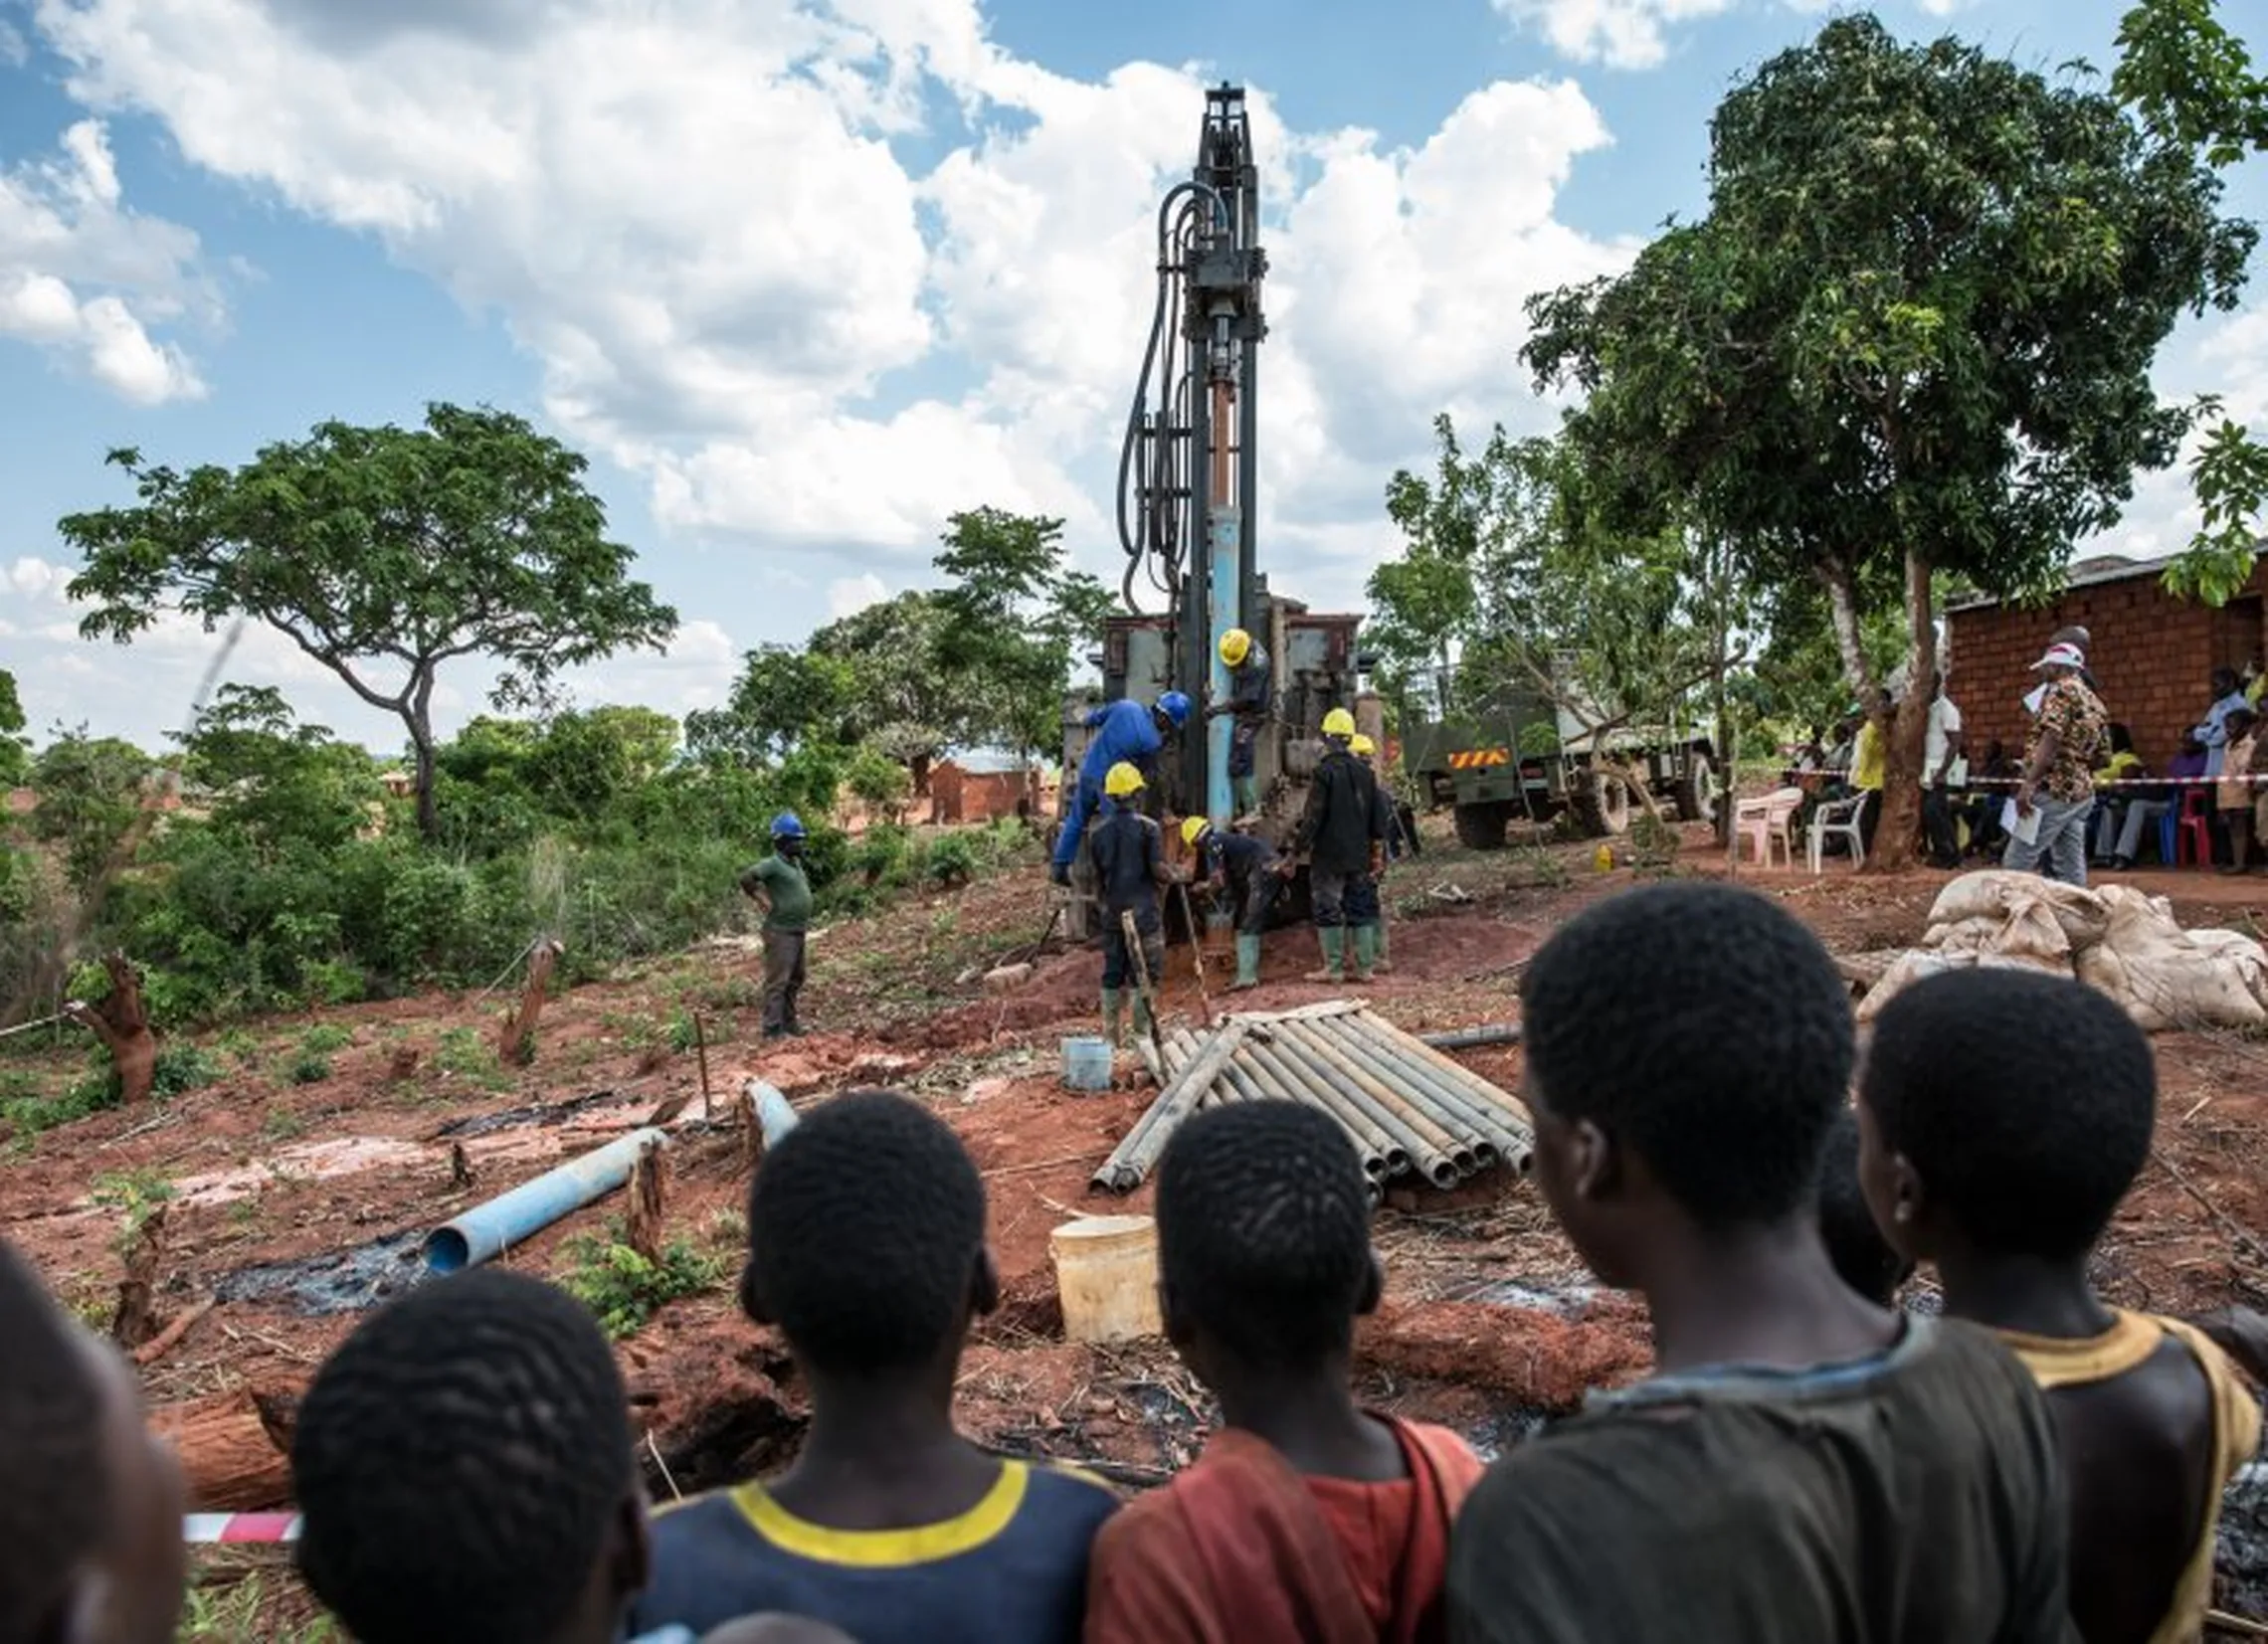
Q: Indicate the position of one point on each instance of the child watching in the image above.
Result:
(2233, 795)
(1862, 1257)
(465, 1472)
(1306, 1518)
(2005, 1114)
(867, 1248)
(90, 1548)
(1804, 1465)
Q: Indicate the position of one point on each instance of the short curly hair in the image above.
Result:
(58, 1500)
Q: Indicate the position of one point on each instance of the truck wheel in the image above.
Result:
(1700, 797)
(1602, 805)
(1481, 827)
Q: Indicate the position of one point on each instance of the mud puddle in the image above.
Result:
(1563, 1301)
(338, 1281)
(303, 1161)
(517, 1118)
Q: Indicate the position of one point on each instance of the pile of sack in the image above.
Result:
(2114, 938)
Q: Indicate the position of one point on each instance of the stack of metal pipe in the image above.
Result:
(1409, 1108)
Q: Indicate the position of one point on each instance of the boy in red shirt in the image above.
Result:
(1307, 1516)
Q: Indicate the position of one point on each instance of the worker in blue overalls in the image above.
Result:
(1248, 666)
(1244, 869)
(1125, 733)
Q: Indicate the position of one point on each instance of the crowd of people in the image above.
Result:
(2079, 795)
(1807, 1461)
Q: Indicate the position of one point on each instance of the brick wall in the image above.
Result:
(2153, 657)
(958, 796)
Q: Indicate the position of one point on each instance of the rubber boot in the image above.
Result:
(1141, 1019)
(1384, 964)
(1246, 796)
(1115, 1017)
(1247, 962)
(1333, 940)
(1366, 952)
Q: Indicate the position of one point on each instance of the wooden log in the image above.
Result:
(649, 1181)
(230, 1460)
(164, 1341)
(517, 1046)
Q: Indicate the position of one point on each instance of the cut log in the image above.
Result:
(135, 1320)
(231, 1462)
(518, 1044)
(648, 1184)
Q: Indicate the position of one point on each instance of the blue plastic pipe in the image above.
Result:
(489, 1231)
(1226, 525)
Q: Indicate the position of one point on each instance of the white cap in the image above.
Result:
(2061, 656)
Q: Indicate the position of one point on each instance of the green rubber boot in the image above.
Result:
(1141, 1018)
(1247, 962)
(1113, 1018)
(1246, 796)
(1332, 939)
(1384, 963)
(1366, 952)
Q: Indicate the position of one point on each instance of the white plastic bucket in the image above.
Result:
(1106, 1272)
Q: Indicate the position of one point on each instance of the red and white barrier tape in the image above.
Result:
(240, 1529)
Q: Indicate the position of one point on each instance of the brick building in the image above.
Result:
(2154, 655)
(976, 788)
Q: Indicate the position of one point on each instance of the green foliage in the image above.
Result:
(624, 1289)
(273, 780)
(241, 1612)
(2190, 80)
(879, 782)
(382, 553)
(182, 1067)
(15, 759)
(26, 1113)
(308, 1068)
(90, 789)
(134, 1195)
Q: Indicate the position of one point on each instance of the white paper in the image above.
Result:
(2023, 830)
(2039, 695)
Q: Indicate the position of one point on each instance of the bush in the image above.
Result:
(624, 1289)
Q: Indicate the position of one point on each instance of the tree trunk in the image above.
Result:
(417, 713)
(1895, 836)
(1843, 608)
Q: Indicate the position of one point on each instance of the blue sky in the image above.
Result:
(801, 278)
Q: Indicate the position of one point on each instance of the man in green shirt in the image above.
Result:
(778, 883)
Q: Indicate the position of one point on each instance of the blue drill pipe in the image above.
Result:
(489, 1231)
(1228, 613)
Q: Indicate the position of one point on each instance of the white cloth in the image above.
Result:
(1945, 724)
(2214, 733)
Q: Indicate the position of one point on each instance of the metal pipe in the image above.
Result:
(1456, 1072)
(1367, 1140)
(1510, 1140)
(1473, 1038)
(1427, 1155)
(1425, 1096)
(773, 1114)
(1301, 1084)
(1131, 1160)
(1439, 1142)
(1505, 1122)
(488, 1230)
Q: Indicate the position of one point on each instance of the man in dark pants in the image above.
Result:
(1343, 835)
(1248, 666)
(1129, 857)
(779, 884)
(1243, 869)
(1366, 907)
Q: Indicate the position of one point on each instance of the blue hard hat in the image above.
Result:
(1175, 706)
(787, 826)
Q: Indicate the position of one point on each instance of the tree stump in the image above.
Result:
(649, 1181)
(234, 1447)
(517, 1046)
(121, 1022)
(135, 1320)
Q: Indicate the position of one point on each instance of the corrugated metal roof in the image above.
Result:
(2091, 571)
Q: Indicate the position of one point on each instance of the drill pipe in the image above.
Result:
(1498, 1107)
(1368, 1142)
(1421, 1142)
(1291, 1079)
(1464, 1078)
(1132, 1160)
(1442, 1139)
(1473, 1038)
(1508, 1135)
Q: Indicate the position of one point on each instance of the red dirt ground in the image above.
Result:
(268, 1171)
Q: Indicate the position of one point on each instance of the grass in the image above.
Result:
(240, 1612)
(624, 1289)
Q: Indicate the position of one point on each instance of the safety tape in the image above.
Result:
(240, 1529)
(2119, 781)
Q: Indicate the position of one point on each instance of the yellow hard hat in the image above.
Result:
(1362, 746)
(1235, 645)
(1122, 780)
(1339, 722)
(1193, 830)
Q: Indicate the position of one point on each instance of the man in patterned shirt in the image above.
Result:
(2055, 795)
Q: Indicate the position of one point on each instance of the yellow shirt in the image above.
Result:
(1868, 759)
(2120, 767)
(2056, 1362)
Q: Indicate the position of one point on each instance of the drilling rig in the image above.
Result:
(1187, 491)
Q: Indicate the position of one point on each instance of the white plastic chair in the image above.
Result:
(1839, 817)
(1767, 820)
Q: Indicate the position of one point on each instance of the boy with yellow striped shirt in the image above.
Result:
(2002, 1116)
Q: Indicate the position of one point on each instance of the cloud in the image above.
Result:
(84, 277)
(851, 595)
(1635, 34)
(823, 273)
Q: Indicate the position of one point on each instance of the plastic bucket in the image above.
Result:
(1086, 1064)
(1106, 1272)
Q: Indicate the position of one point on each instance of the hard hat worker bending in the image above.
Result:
(1248, 666)
(1343, 833)
(1243, 869)
(1125, 733)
